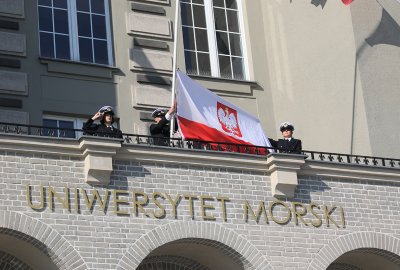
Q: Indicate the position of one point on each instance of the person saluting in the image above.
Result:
(105, 128)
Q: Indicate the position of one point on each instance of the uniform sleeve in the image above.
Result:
(157, 128)
(298, 148)
(273, 142)
(89, 127)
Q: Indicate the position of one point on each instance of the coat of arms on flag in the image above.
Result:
(228, 119)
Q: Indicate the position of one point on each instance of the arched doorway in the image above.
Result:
(181, 243)
(366, 259)
(194, 253)
(20, 251)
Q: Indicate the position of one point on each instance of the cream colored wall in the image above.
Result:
(304, 59)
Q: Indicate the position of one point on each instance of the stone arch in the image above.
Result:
(43, 237)
(203, 231)
(359, 240)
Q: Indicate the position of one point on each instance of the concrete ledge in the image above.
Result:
(149, 25)
(283, 169)
(12, 44)
(12, 8)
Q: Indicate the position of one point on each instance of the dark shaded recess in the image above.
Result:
(148, 8)
(140, 42)
(12, 63)
(153, 79)
(11, 103)
(9, 25)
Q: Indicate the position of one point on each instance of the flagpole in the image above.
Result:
(174, 66)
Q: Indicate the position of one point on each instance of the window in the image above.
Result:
(55, 124)
(213, 39)
(76, 30)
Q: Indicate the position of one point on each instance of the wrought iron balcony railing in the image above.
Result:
(136, 139)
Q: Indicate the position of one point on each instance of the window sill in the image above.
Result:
(225, 85)
(78, 68)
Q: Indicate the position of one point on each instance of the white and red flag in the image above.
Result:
(347, 2)
(204, 116)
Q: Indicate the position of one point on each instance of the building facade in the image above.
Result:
(319, 65)
(95, 203)
(69, 201)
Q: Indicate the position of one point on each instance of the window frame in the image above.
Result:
(74, 34)
(77, 123)
(212, 41)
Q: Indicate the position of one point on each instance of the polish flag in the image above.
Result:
(347, 2)
(204, 116)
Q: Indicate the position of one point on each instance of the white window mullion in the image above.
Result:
(212, 40)
(243, 40)
(195, 40)
(74, 41)
(108, 29)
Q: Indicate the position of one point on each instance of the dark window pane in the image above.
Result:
(218, 3)
(46, 45)
(220, 19)
(222, 42)
(98, 6)
(201, 2)
(44, 3)
(52, 130)
(61, 21)
(67, 133)
(188, 38)
(62, 47)
(84, 25)
(191, 62)
(45, 19)
(225, 66)
(204, 64)
(234, 40)
(100, 52)
(49, 123)
(231, 4)
(238, 68)
(85, 50)
(199, 16)
(60, 3)
(233, 22)
(186, 14)
(201, 40)
(82, 5)
(99, 26)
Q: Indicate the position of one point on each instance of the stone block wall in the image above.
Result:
(135, 213)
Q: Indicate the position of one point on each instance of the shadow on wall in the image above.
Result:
(317, 3)
(387, 32)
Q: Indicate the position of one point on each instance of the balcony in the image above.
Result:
(283, 169)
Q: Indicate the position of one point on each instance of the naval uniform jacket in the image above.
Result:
(100, 130)
(286, 146)
(160, 132)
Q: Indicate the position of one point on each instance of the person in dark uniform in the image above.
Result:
(160, 130)
(288, 144)
(105, 128)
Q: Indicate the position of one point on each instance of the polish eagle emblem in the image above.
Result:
(228, 119)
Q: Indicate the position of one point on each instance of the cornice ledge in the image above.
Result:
(40, 144)
(350, 171)
(193, 157)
